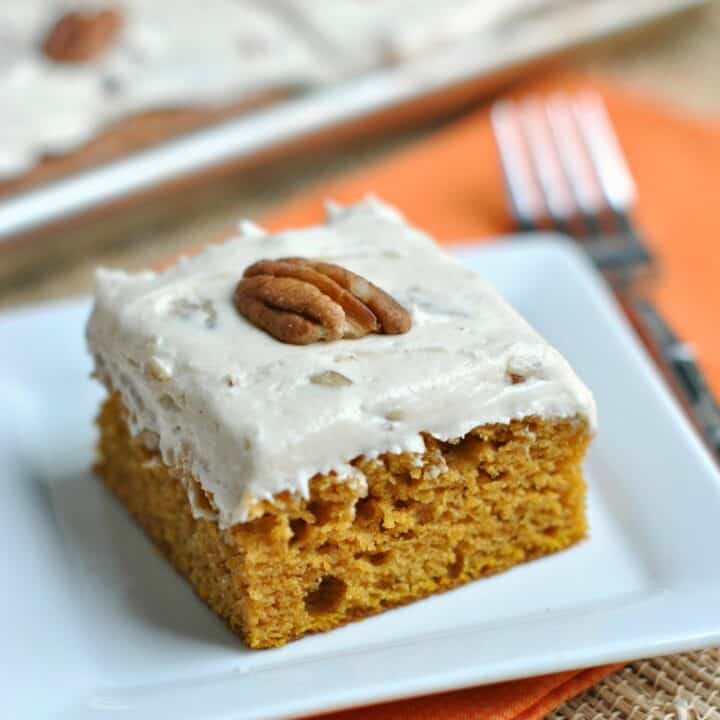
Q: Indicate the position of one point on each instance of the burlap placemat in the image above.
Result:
(676, 687)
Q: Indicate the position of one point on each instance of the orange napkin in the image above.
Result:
(450, 185)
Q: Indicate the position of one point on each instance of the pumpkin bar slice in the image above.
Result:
(318, 425)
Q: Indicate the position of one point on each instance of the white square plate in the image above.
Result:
(95, 624)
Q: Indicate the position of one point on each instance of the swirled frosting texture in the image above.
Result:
(246, 416)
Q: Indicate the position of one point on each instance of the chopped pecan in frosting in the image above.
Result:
(330, 378)
(82, 35)
(301, 301)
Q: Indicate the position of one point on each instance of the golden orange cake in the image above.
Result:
(322, 424)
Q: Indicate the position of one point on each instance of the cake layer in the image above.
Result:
(477, 505)
(250, 417)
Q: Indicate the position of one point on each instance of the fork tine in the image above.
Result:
(561, 161)
(605, 152)
(521, 185)
(546, 164)
(573, 155)
(616, 182)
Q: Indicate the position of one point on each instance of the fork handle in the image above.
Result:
(623, 266)
(679, 364)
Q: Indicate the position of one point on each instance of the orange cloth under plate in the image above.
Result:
(451, 186)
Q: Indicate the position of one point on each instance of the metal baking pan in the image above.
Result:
(394, 95)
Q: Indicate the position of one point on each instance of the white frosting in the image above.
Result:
(238, 408)
(454, 22)
(360, 33)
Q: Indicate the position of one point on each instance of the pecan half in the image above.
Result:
(81, 36)
(300, 301)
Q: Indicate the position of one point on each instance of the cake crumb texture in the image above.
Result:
(501, 495)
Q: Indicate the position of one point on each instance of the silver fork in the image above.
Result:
(564, 169)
